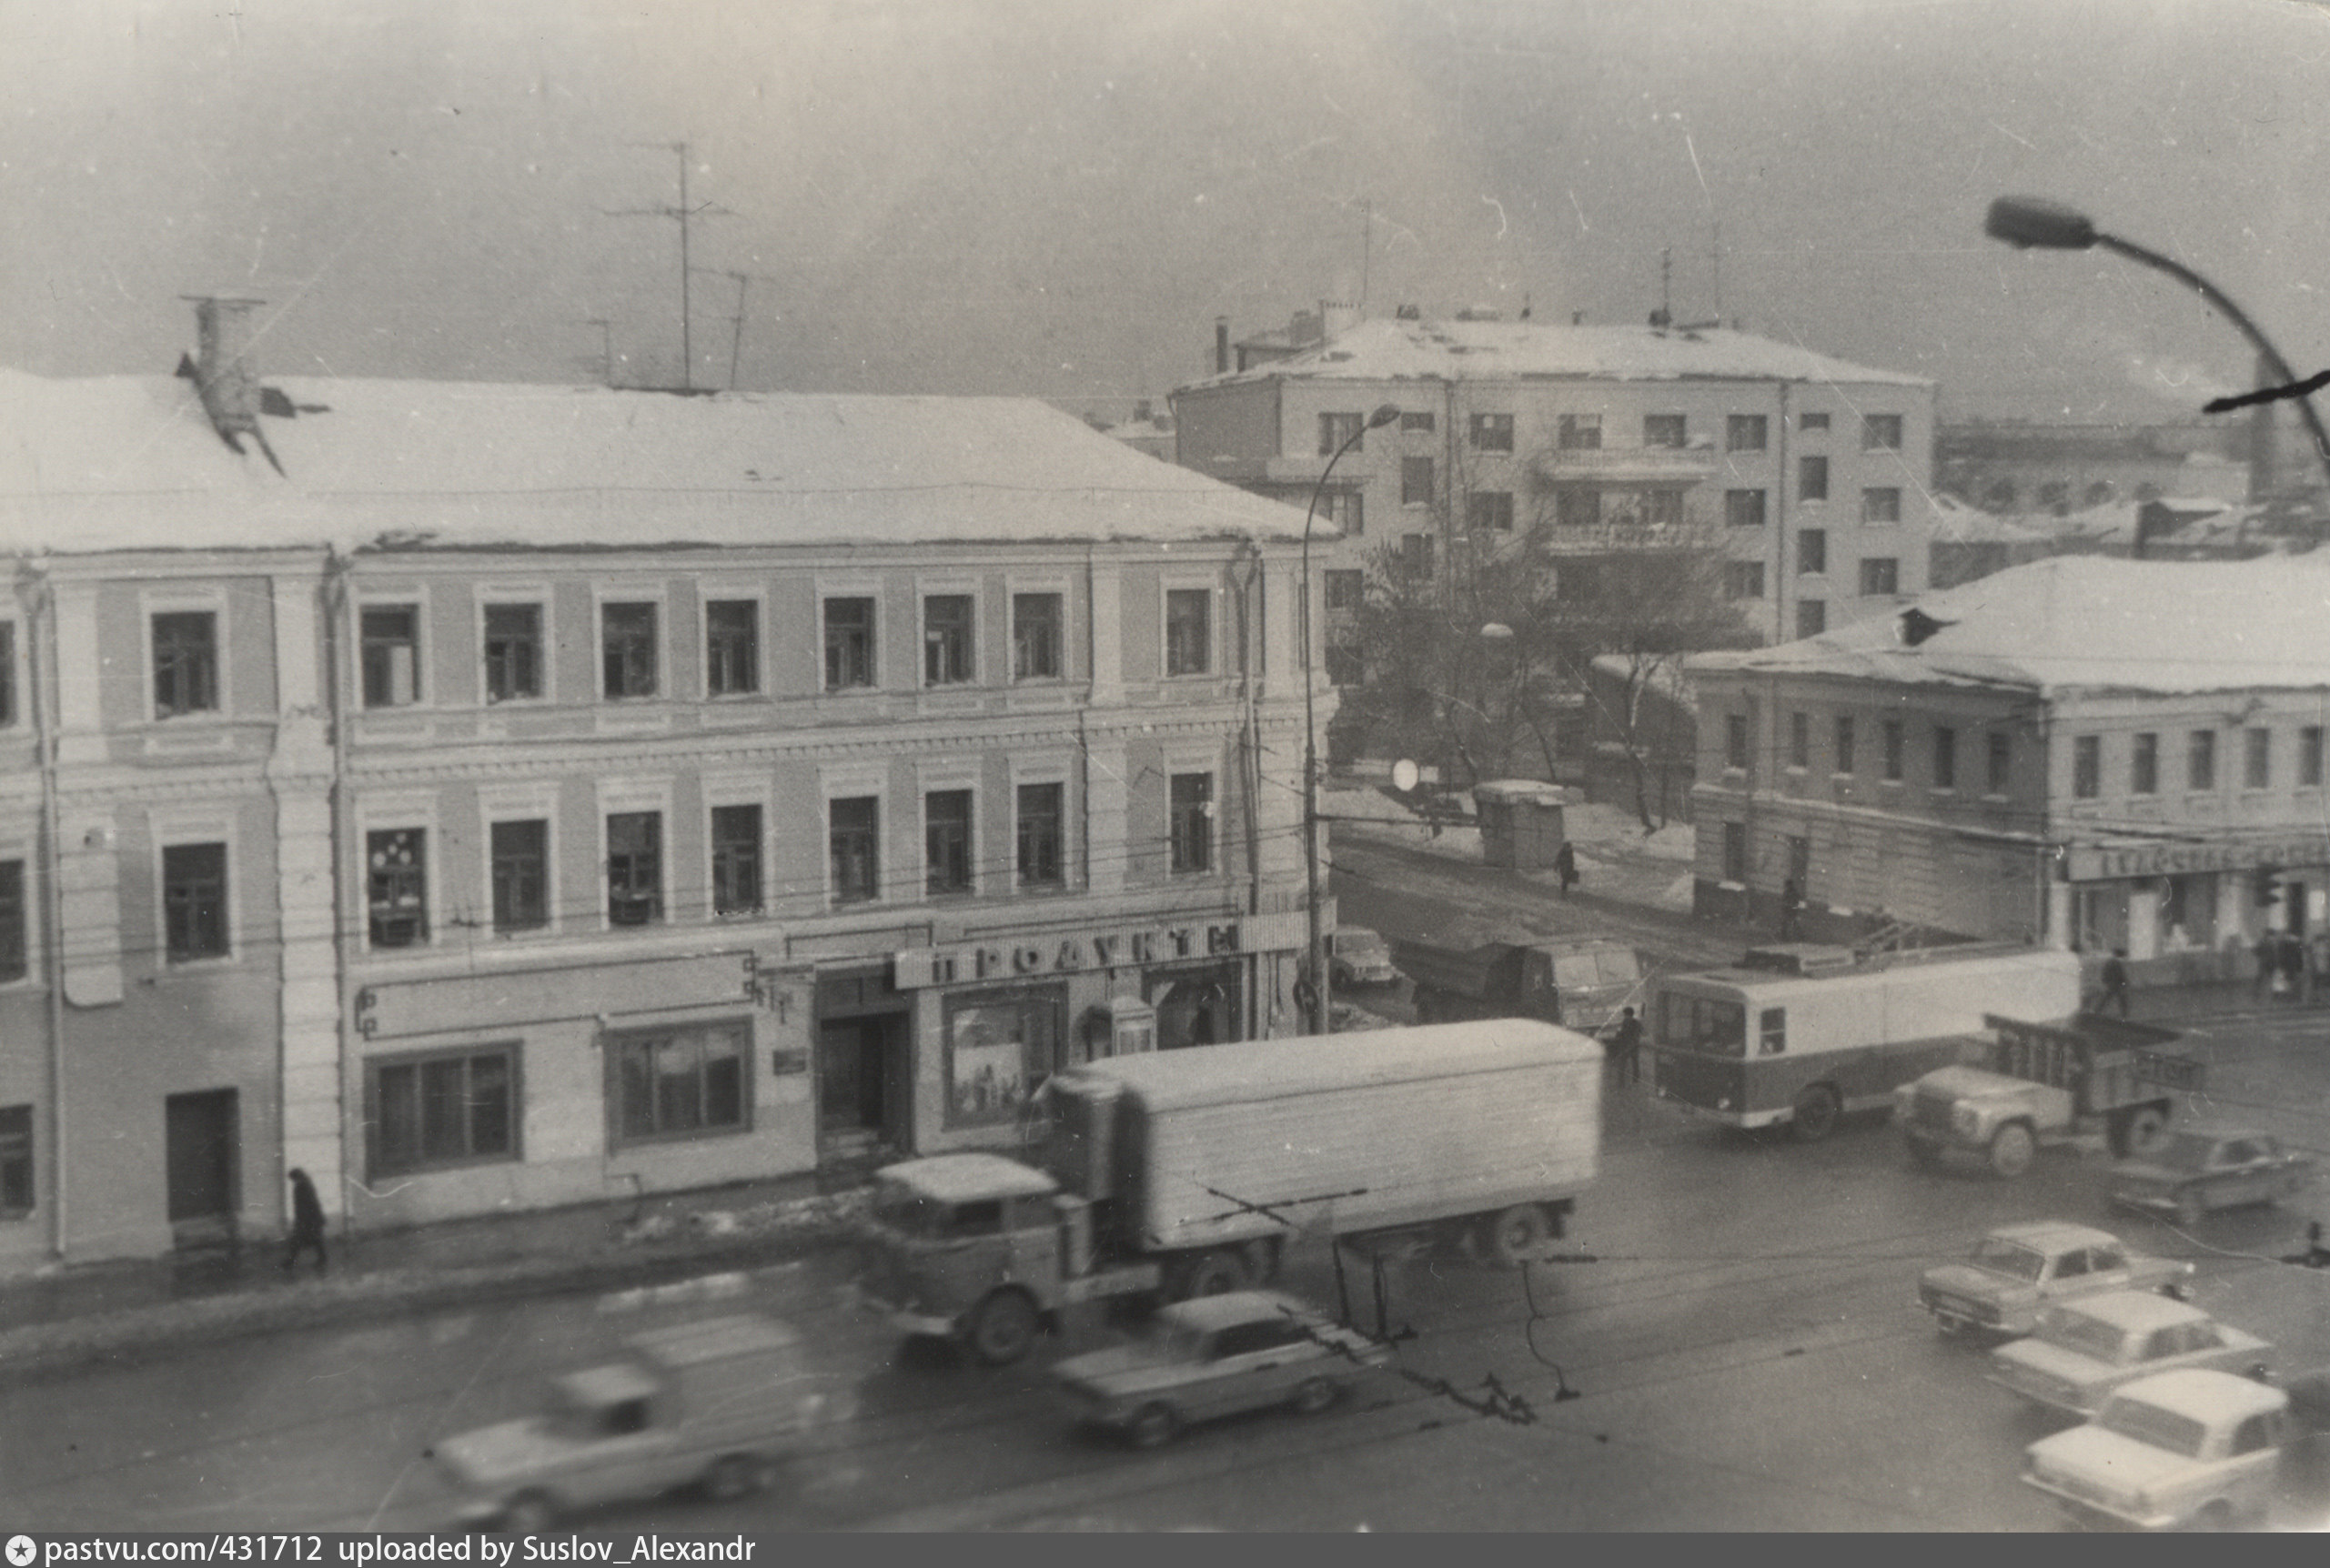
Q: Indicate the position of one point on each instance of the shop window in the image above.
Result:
(946, 843)
(14, 956)
(852, 836)
(1492, 432)
(1745, 432)
(1579, 433)
(521, 876)
(1812, 478)
(1416, 481)
(1043, 835)
(2144, 765)
(2086, 767)
(395, 881)
(684, 1083)
(627, 650)
(194, 901)
(2201, 760)
(15, 1162)
(2257, 758)
(1192, 805)
(1668, 431)
(849, 643)
(1189, 631)
(736, 860)
(389, 653)
(1196, 1004)
(999, 1046)
(1036, 636)
(2309, 757)
(634, 867)
(1844, 743)
(185, 663)
(1743, 508)
(947, 623)
(1945, 758)
(513, 652)
(731, 647)
(427, 1112)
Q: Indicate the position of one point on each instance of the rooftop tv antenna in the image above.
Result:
(682, 212)
(736, 337)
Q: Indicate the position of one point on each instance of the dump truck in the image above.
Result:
(1187, 1173)
(717, 1404)
(1578, 983)
(2070, 1079)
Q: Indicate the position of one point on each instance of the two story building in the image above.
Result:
(492, 796)
(2080, 752)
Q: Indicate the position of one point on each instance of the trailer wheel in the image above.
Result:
(1514, 1236)
(2012, 1149)
(1815, 1115)
(2139, 1129)
(1211, 1273)
(1003, 1327)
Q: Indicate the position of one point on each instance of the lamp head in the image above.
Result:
(1383, 416)
(2023, 222)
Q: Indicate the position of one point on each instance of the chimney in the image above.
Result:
(223, 362)
(1221, 344)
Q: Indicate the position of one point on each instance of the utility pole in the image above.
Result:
(682, 212)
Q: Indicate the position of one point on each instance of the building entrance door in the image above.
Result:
(864, 1086)
(201, 1154)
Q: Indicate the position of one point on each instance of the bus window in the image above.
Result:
(1771, 1033)
(1575, 971)
(1619, 967)
(1698, 1023)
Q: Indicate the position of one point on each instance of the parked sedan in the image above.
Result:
(1360, 956)
(2202, 1169)
(2016, 1271)
(1214, 1356)
(2084, 1352)
(2180, 1449)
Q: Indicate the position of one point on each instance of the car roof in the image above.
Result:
(2192, 1391)
(716, 1339)
(2137, 1309)
(1208, 1314)
(2055, 1235)
(952, 1178)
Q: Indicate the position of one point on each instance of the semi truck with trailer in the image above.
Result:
(1187, 1173)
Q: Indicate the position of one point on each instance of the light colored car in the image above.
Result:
(2083, 1352)
(1215, 1356)
(1358, 956)
(2199, 1168)
(2014, 1273)
(2167, 1452)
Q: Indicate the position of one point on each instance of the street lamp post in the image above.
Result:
(1318, 976)
(2025, 222)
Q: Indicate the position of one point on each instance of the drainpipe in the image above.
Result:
(1782, 514)
(335, 594)
(41, 601)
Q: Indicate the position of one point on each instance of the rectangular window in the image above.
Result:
(634, 867)
(513, 652)
(946, 639)
(1416, 481)
(194, 901)
(1043, 832)
(1945, 758)
(1413, 421)
(1812, 478)
(1743, 508)
(1416, 555)
(1811, 421)
(396, 886)
(2257, 758)
(2309, 757)
(1844, 743)
(1038, 636)
(1489, 511)
(1812, 550)
(1812, 617)
(1663, 509)
(1893, 749)
(1881, 432)
(1735, 852)
(459, 1108)
(1573, 507)
(1334, 429)
(1346, 588)
(1345, 511)
(7, 673)
(2201, 760)
(2002, 761)
(946, 843)
(1735, 742)
(1883, 505)
(852, 834)
(14, 947)
(185, 663)
(521, 876)
(849, 643)
(731, 647)
(1800, 739)
(390, 653)
(15, 1160)
(1880, 575)
(2086, 767)
(680, 1083)
(1665, 430)
(1745, 432)
(1579, 433)
(2144, 766)
(626, 649)
(1189, 631)
(736, 860)
(1492, 432)
(1193, 821)
(1743, 579)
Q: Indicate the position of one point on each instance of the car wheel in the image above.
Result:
(733, 1476)
(1003, 1327)
(2189, 1210)
(1214, 1273)
(1152, 1426)
(2145, 1130)
(1815, 1116)
(1315, 1394)
(2012, 1150)
(1515, 1235)
(530, 1514)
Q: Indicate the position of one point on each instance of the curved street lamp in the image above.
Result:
(1318, 976)
(2029, 221)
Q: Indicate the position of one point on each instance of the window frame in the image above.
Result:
(1809, 420)
(1746, 432)
(835, 895)
(1020, 625)
(1812, 617)
(1413, 493)
(1336, 427)
(1807, 465)
(606, 601)
(1943, 758)
(1177, 595)
(718, 860)
(2087, 766)
(1998, 762)
(1207, 859)
(2309, 757)
(378, 1164)
(1491, 432)
(2257, 756)
(1800, 740)
(869, 649)
(153, 609)
(499, 815)
(19, 1163)
(1654, 438)
(1578, 432)
(2144, 763)
(371, 828)
(1489, 511)
(2199, 761)
(700, 1032)
(1880, 577)
(1737, 501)
(1021, 817)
(966, 886)
(1881, 432)
(1573, 506)
(230, 948)
(1893, 749)
(15, 919)
(1881, 505)
(539, 603)
(955, 646)
(657, 853)
(1842, 741)
(755, 660)
(1743, 579)
(415, 642)
(1811, 552)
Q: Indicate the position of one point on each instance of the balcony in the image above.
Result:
(1623, 466)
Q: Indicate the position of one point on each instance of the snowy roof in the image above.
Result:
(2091, 623)
(131, 462)
(1955, 522)
(1493, 350)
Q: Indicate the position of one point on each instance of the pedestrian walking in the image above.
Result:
(2267, 962)
(307, 1223)
(2115, 983)
(2291, 952)
(1792, 911)
(1565, 866)
(1625, 1047)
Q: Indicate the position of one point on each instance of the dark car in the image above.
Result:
(2201, 1169)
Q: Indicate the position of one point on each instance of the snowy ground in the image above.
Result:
(1614, 856)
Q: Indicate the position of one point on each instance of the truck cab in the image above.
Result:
(954, 1231)
(2032, 1083)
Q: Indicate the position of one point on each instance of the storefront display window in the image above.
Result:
(1197, 1005)
(999, 1046)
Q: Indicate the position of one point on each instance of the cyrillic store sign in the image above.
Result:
(1030, 957)
(2089, 863)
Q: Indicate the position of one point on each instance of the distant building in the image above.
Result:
(1145, 431)
(2012, 466)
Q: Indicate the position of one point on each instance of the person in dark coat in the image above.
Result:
(2292, 954)
(1625, 1047)
(2115, 983)
(1792, 911)
(307, 1223)
(1565, 866)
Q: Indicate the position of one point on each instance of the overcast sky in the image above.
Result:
(1057, 198)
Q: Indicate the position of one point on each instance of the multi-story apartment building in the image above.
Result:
(1812, 473)
(2080, 752)
(490, 796)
